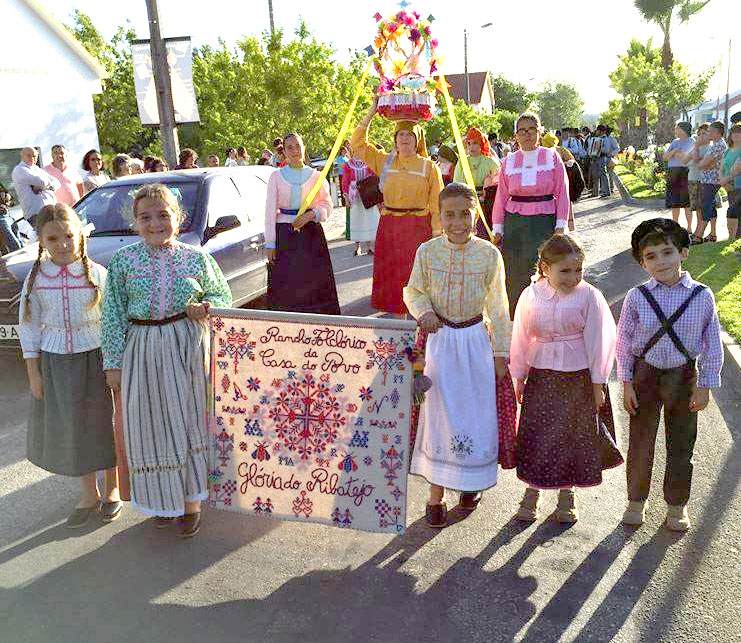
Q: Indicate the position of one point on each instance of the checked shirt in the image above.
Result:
(698, 329)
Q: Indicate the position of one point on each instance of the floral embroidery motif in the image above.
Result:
(461, 446)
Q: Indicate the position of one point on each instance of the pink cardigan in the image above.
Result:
(546, 176)
(563, 332)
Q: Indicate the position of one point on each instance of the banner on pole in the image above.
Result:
(180, 63)
(310, 417)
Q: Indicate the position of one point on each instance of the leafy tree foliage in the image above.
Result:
(645, 87)
(559, 104)
(262, 88)
(661, 13)
(509, 96)
(116, 113)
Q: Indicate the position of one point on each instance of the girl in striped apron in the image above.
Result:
(154, 349)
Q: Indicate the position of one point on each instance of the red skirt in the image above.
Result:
(397, 241)
(507, 413)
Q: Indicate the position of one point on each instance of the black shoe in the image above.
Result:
(190, 524)
(469, 500)
(437, 515)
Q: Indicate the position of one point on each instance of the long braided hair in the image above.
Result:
(60, 212)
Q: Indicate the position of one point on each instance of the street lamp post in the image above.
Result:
(728, 84)
(465, 61)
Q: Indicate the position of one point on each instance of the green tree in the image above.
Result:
(116, 111)
(662, 13)
(559, 104)
(510, 96)
(645, 87)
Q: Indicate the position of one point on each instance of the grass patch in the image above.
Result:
(718, 265)
(635, 186)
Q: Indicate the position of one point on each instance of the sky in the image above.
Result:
(531, 42)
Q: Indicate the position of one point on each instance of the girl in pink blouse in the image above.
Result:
(562, 351)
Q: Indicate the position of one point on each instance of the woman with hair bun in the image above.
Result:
(532, 203)
(300, 276)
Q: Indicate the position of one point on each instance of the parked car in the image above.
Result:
(225, 215)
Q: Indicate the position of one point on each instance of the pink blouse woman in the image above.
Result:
(532, 203)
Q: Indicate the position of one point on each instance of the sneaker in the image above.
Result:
(469, 500)
(566, 511)
(677, 518)
(635, 514)
(529, 505)
(437, 515)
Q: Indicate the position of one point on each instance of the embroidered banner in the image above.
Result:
(310, 417)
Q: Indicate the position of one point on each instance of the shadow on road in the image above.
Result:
(377, 601)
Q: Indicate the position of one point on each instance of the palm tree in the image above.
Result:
(662, 12)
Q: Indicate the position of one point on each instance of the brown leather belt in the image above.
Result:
(464, 324)
(400, 212)
(158, 322)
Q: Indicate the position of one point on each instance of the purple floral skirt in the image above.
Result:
(562, 441)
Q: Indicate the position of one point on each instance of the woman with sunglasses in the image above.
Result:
(93, 175)
(532, 203)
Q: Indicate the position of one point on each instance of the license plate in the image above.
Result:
(9, 332)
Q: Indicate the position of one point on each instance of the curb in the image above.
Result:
(651, 204)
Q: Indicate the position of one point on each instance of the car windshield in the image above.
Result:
(109, 208)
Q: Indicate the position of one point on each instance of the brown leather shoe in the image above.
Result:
(161, 522)
(437, 515)
(469, 500)
(190, 525)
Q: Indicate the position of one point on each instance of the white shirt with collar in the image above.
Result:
(26, 177)
(61, 320)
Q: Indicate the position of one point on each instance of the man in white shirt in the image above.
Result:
(70, 190)
(35, 186)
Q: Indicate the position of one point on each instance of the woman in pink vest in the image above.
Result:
(532, 203)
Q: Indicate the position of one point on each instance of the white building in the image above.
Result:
(48, 80)
(715, 110)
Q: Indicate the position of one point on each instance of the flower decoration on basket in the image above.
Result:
(405, 61)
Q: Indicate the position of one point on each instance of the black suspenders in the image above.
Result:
(667, 324)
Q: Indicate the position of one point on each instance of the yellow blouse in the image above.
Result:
(459, 282)
(413, 183)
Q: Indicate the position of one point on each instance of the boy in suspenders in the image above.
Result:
(669, 355)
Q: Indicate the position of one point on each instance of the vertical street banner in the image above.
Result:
(311, 417)
(180, 62)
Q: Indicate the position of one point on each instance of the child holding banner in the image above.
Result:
(458, 280)
(154, 350)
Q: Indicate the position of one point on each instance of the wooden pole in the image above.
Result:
(161, 71)
(272, 22)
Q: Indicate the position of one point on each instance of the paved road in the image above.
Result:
(486, 578)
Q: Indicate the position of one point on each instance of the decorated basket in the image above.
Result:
(407, 107)
(405, 61)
